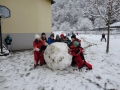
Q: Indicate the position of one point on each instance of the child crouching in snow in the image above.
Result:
(77, 53)
(38, 55)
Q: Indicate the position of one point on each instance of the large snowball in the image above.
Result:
(57, 57)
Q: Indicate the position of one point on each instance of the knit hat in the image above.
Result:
(37, 36)
(43, 33)
(62, 35)
(76, 43)
(73, 36)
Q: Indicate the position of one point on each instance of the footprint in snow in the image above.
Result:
(27, 74)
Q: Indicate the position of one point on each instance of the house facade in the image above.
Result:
(28, 17)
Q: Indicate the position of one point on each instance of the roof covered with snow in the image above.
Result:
(115, 24)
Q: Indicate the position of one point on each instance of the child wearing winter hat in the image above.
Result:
(73, 38)
(38, 56)
(77, 54)
(62, 37)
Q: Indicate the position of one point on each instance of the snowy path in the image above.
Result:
(16, 73)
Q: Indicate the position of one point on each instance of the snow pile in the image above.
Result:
(5, 51)
(57, 57)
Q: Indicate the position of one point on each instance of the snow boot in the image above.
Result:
(89, 66)
(35, 66)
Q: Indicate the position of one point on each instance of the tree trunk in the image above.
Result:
(1, 36)
(108, 34)
(108, 37)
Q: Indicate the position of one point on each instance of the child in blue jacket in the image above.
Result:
(51, 39)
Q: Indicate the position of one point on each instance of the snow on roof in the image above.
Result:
(115, 24)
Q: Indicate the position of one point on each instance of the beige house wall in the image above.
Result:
(45, 13)
(28, 17)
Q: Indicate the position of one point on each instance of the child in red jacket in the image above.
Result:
(38, 55)
(76, 53)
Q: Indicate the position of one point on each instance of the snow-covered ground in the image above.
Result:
(5, 51)
(16, 72)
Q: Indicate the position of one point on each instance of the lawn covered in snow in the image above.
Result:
(16, 71)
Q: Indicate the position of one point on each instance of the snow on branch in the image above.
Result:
(96, 7)
(115, 15)
(116, 11)
(115, 3)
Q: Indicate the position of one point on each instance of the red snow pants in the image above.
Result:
(39, 58)
(89, 66)
(42, 60)
(79, 61)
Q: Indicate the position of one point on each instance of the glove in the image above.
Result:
(46, 44)
(37, 49)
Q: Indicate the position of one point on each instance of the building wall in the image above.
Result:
(22, 41)
(27, 18)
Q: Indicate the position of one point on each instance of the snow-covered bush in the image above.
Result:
(85, 24)
(54, 28)
(99, 22)
(79, 22)
(57, 57)
(65, 26)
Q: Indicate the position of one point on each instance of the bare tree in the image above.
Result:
(107, 11)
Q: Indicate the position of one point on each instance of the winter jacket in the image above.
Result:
(76, 53)
(50, 41)
(77, 57)
(62, 40)
(8, 40)
(44, 39)
(38, 44)
(103, 35)
(68, 42)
